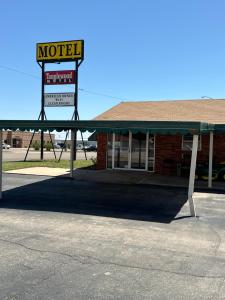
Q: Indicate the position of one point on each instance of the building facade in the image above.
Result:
(21, 139)
(162, 154)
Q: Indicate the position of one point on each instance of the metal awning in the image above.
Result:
(153, 127)
(219, 128)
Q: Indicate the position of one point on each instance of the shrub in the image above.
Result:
(36, 145)
(48, 146)
(94, 161)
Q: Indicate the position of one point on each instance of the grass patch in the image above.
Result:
(51, 163)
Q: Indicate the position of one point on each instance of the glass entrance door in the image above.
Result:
(121, 151)
(131, 151)
(138, 151)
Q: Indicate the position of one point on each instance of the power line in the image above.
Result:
(100, 94)
(80, 89)
(19, 72)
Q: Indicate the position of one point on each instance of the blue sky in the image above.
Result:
(134, 50)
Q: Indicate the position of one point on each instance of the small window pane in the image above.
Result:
(188, 141)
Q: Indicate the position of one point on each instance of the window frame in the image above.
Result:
(199, 143)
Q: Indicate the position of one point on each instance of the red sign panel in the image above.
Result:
(60, 77)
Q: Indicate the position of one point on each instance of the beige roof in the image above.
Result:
(205, 110)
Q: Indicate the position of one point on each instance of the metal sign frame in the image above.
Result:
(42, 115)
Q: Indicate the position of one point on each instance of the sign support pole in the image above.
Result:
(50, 137)
(31, 140)
(72, 153)
(42, 107)
(76, 109)
(85, 154)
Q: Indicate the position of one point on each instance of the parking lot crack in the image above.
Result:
(43, 251)
(90, 260)
(150, 268)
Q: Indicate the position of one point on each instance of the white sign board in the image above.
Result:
(59, 99)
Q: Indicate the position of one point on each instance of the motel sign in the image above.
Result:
(60, 51)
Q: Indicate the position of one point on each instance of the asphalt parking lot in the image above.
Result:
(63, 239)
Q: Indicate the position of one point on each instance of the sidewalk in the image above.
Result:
(41, 171)
(119, 177)
(141, 177)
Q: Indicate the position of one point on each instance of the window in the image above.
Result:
(151, 152)
(109, 150)
(187, 141)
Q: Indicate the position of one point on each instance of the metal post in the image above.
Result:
(192, 175)
(65, 140)
(0, 164)
(50, 138)
(129, 148)
(71, 153)
(210, 159)
(113, 150)
(61, 151)
(31, 140)
(82, 138)
(76, 109)
(42, 107)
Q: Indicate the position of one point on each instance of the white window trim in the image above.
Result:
(154, 154)
(188, 150)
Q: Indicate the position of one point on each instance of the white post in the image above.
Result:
(0, 164)
(113, 150)
(192, 175)
(129, 149)
(71, 153)
(210, 159)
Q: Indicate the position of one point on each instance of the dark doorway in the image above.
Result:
(17, 142)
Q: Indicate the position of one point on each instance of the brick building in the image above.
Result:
(21, 139)
(166, 154)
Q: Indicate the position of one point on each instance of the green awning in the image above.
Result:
(219, 128)
(153, 127)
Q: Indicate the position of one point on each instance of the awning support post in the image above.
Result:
(0, 164)
(192, 175)
(210, 159)
(71, 153)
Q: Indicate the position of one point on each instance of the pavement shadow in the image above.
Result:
(136, 202)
